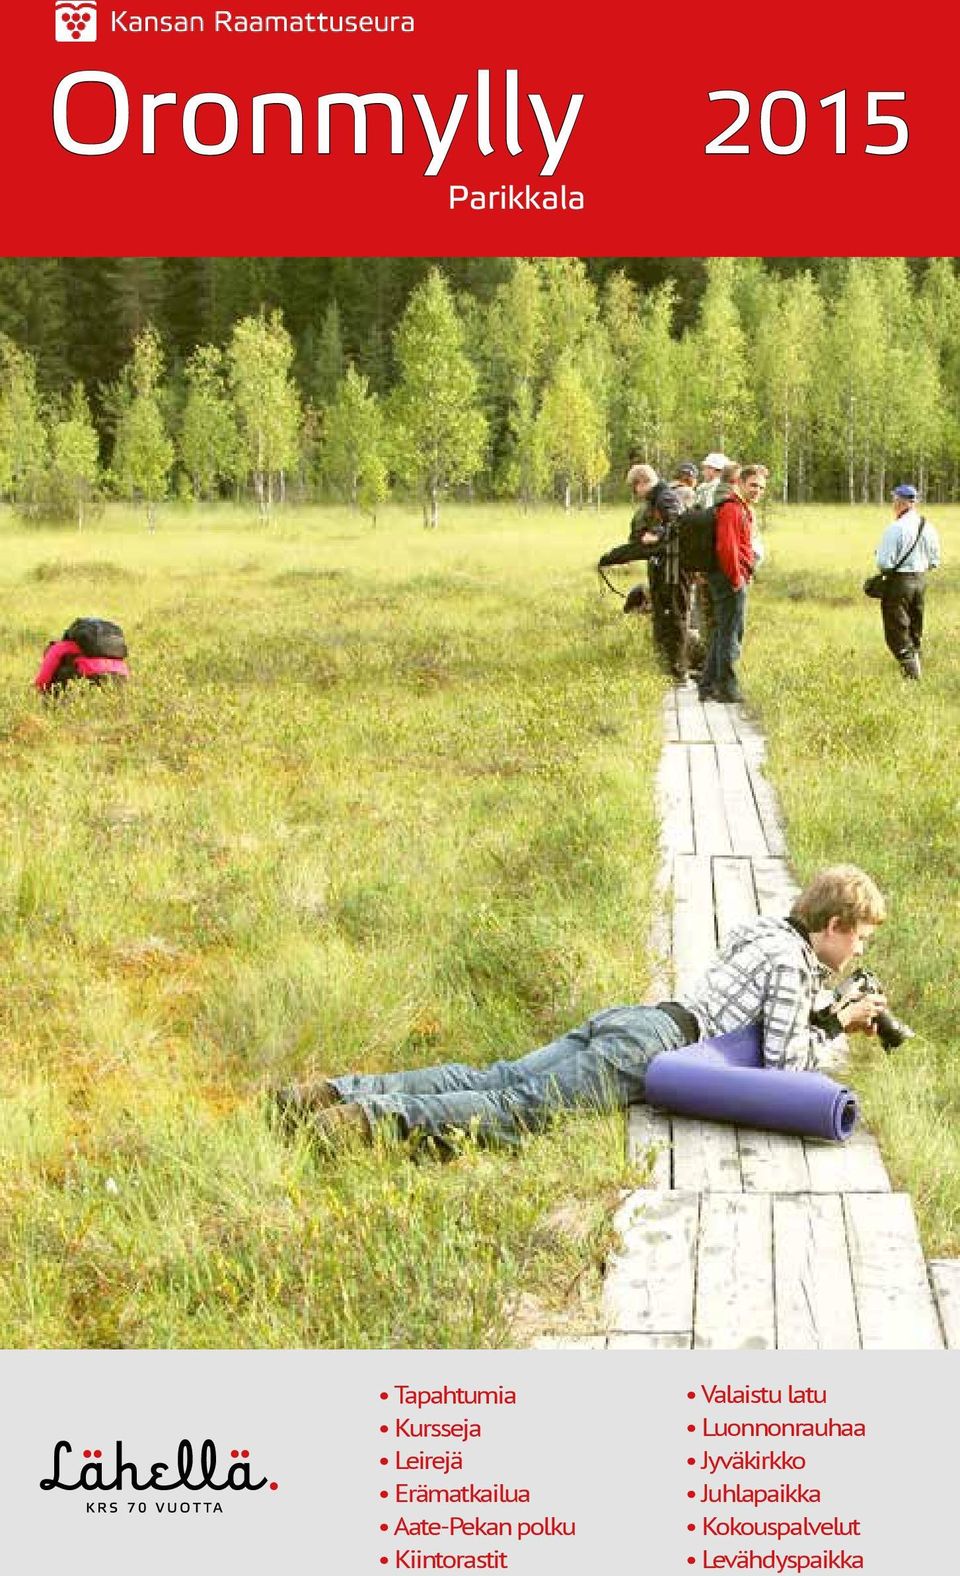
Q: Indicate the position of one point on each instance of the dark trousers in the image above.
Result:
(902, 609)
(670, 607)
(729, 619)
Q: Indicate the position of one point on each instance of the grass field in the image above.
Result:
(868, 769)
(375, 798)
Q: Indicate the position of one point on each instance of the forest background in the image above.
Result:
(317, 379)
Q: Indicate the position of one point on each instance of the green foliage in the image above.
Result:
(342, 820)
(353, 450)
(23, 440)
(143, 453)
(570, 430)
(720, 383)
(439, 429)
(267, 403)
(865, 773)
(840, 373)
(209, 441)
(74, 458)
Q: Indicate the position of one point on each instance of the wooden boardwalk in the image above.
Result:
(747, 1239)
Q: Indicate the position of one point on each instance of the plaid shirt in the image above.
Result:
(767, 973)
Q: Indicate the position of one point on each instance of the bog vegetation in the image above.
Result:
(371, 799)
(379, 798)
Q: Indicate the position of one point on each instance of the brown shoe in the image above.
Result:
(339, 1124)
(297, 1103)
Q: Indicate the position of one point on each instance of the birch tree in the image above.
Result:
(440, 430)
(266, 402)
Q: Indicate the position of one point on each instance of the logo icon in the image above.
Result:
(75, 24)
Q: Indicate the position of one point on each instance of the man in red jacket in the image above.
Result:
(728, 585)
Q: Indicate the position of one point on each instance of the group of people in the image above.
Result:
(773, 973)
(713, 601)
(716, 596)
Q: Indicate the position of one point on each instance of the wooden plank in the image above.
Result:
(710, 834)
(674, 1341)
(694, 929)
(649, 1283)
(568, 1343)
(749, 733)
(734, 893)
(768, 807)
(772, 1162)
(674, 802)
(691, 717)
(853, 1167)
(813, 1289)
(747, 833)
(894, 1302)
(660, 939)
(706, 1157)
(648, 1144)
(671, 726)
(720, 722)
(945, 1280)
(734, 1306)
(776, 887)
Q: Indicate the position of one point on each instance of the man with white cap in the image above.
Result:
(711, 470)
(908, 548)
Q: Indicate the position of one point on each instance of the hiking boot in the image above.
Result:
(910, 665)
(339, 1124)
(297, 1103)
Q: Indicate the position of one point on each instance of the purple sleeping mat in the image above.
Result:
(724, 1080)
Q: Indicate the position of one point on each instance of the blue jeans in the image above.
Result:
(600, 1066)
(729, 614)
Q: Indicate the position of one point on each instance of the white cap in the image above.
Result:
(715, 461)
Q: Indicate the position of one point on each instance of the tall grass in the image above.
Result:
(374, 798)
(867, 769)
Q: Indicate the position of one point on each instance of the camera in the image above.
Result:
(891, 1031)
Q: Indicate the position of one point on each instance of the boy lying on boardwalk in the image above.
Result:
(769, 972)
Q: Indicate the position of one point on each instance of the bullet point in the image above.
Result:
(691, 1461)
(384, 1428)
(383, 1526)
(384, 1396)
(691, 1526)
(691, 1395)
(383, 1494)
(691, 1428)
(691, 1493)
(383, 1461)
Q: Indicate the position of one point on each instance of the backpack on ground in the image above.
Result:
(97, 637)
(91, 649)
(697, 531)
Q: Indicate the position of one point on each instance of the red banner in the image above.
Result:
(444, 131)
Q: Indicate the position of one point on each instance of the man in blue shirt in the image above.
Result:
(908, 548)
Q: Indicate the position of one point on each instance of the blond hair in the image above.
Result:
(645, 474)
(841, 892)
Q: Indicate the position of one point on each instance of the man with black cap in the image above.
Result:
(908, 548)
(683, 483)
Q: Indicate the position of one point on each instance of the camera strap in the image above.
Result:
(615, 589)
(904, 556)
